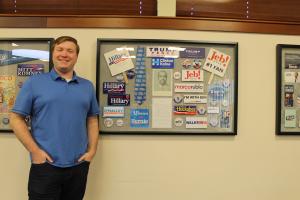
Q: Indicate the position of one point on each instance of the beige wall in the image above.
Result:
(255, 164)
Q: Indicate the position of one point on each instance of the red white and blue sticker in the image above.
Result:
(118, 99)
(185, 110)
(196, 122)
(139, 118)
(165, 52)
(162, 63)
(30, 69)
(114, 87)
(113, 111)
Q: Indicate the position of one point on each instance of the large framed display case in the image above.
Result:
(167, 87)
(288, 90)
(19, 59)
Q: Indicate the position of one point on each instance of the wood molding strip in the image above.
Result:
(170, 23)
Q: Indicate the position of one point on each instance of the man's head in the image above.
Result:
(162, 77)
(65, 52)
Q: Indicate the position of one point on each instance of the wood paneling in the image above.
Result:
(274, 10)
(80, 7)
(178, 23)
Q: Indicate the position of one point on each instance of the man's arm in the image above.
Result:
(18, 124)
(93, 135)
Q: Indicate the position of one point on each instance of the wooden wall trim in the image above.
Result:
(169, 23)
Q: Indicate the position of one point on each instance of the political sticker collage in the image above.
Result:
(19, 59)
(291, 90)
(161, 87)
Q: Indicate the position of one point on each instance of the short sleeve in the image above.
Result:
(94, 108)
(23, 104)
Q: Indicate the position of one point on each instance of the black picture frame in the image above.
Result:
(19, 59)
(287, 89)
(153, 117)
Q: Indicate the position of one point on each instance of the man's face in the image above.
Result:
(162, 77)
(64, 56)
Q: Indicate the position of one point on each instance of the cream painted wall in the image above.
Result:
(255, 164)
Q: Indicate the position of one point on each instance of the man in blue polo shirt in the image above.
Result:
(64, 126)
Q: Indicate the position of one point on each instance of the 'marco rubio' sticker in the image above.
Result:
(192, 75)
(189, 87)
(195, 99)
(113, 111)
(196, 122)
(118, 99)
(185, 110)
(113, 87)
(166, 63)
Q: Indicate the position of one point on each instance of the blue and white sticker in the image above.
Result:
(162, 63)
(139, 118)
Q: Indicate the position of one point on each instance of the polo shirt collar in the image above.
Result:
(55, 76)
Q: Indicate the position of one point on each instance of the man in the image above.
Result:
(162, 77)
(64, 127)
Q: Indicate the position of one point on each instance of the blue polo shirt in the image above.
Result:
(59, 112)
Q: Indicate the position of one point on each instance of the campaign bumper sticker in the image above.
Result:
(139, 118)
(165, 52)
(189, 87)
(165, 63)
(114, 87)
(185, 110)
(191, 52)
(118, 99)
(113, 111)
(195, 99)
(30, 69)
(192, 75)
(196, 122)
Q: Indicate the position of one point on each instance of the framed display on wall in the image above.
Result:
(288, 90)
(19, 59)
(167, 87)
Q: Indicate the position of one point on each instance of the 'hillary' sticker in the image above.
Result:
(113, 111)
(196, 122)
(185, 110)
(113, 87)
(118, 99)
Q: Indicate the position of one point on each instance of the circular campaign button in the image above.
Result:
(187, 63)
(177, 75)
(197, 63)
(5, 120)
(177, 98)
(120, 122)
(108, 122)
(130, 74)
(178, 121)
(120, 77)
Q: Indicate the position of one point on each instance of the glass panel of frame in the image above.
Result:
(167, 87)
(288, 90)
(19, 59)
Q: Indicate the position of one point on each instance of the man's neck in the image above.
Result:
(65, 75)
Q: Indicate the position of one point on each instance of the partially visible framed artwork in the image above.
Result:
(19, 59)
(288, 89)
(167, 87)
